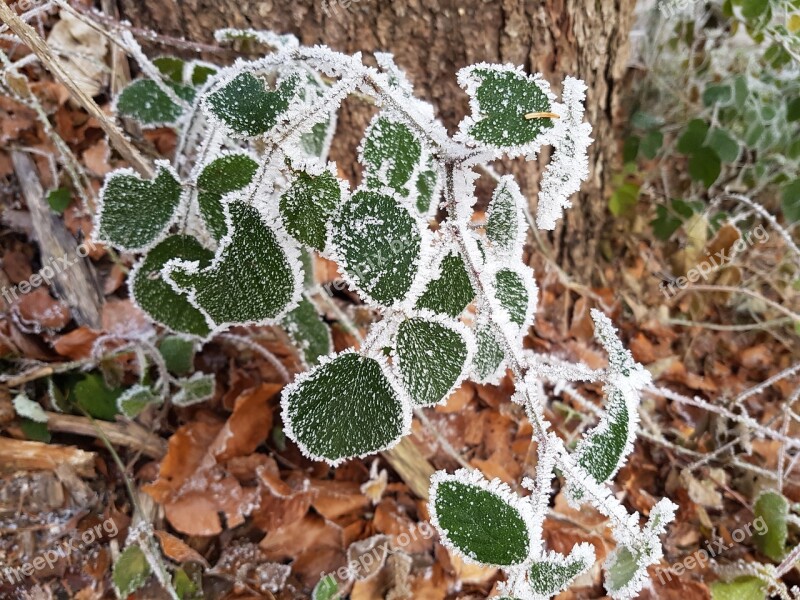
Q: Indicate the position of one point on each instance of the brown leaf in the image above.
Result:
(249, 425)
(177, 550)
(77, 344)
(39, 310)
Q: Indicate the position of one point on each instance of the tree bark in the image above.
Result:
(431, 40)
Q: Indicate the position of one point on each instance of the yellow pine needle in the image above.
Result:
(541, 115)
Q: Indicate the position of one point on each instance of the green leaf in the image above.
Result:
(178, 354)
(224, 175)
(146, 102)
(665, 224)
(135, 212)
(246, 106)
(451, 291)
(186, 587)
(135, 399)
(35, 431)
(131, 571)
(201, 72)
(793, 110)
(171, 67)
(488, 356)
(251, 266)
(717, 94)
(704, 165)
(308, 332)
(603, 448)
(623, 199)
(501, 96)
(93, 396)
(554, 574)
(752, 9)
(790, 201)
(344, 408)
(622, 568)
(746, 587)
(431, 357)
(427, 189)
(390, 154)
(481, 520)
(513, 293)
(157, 297)
(773, 510)
(693, 138)
(197, 388)
(505, 221)
(651, 143)
(326, 589)
(723, 144)
(59, 199)
(630, 149)
(378, 244)
(307, 206)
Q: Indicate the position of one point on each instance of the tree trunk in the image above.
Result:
(431, 40)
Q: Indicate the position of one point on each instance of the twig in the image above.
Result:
(38, 46)
(789, 562)
(25, 455)
(259, 349)
(734, 290)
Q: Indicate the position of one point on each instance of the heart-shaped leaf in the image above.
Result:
(391, 153)
(484, 521)
(431, 356)
(246, 106)
(556, 572)
(146, 102)
(307, 206)
(135, 399)
(500, 97)
(505, 220)
(158, 298)
(345, 407)
(133, 213)
(378, 245)
(255, 277)
(451, 291)
(308, 331)
(221, 176)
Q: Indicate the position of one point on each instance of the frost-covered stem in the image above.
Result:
(443, 441)
(340, 315)
(734, 290)
(757, 389)
(597, 494)
(700, 403)
(788, 562)
(260, 350)
(765, 214)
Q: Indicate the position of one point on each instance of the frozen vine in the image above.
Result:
(228, 234)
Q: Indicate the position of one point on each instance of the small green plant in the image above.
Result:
(228, 231)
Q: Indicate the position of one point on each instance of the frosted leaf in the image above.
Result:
(514, 296)
(429, 188)
(431, 355)
(449, 291)
(500, 97)
(569, 164)
(488, 363)
(505, 220)
(396, 76)
(131, 571)
(223, 175)
(267, 38)
(317, 141)
(378, 244)
(200, 72)
(391, 153)
(254, 278)
(345, 407)
(308, 332)
(247, 107)
(197, 388)
(483, 521)
(171, 67)
(307, 206)
(178, 354)
(555, 572)
(146, 102)
(156, 297)
(603, 449)
(626, 567)
(133, 213)
(27, 408)
(135, 399)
